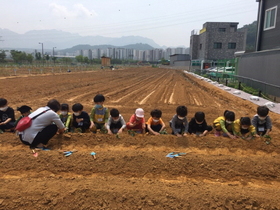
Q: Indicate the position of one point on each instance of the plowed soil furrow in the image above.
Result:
(128, 164)
(139, 90)
(133, 172)
(96, 193)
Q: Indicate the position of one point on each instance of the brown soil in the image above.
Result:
(134, 172)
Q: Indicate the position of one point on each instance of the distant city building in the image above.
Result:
(109, 52)
(79, 52)
(87, 53)
(168, 52)
(217, 40)
(131, 54)
(90, 54)
(69, 54)
(179, 50)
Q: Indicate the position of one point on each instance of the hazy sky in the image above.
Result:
(167, 22)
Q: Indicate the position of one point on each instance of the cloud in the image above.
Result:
(83, 11)
(78, 11)
(59, 10)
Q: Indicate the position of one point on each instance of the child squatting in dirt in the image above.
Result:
(179, 122)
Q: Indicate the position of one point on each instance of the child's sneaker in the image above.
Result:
(1, 131)
(138, 131)
(225, 135)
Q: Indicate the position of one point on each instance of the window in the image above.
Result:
(270, 18)
(222, 30)
(200, 46)
(217, 45)
(231, 45)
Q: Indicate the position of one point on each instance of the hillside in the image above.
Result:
(63, 40)
(251, 35)
(87, 47)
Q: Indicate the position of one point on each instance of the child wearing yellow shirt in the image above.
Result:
(243, 128)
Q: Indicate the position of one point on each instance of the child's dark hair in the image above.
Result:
(64, 107)
(156, 113)
(3, 101)
(229, 115)
(24, 109)
(77, 107)
(245, 121)
(98, 98)
(54, 105)
(114, 112)
(182, 111)
(262, 111)
(199, 116)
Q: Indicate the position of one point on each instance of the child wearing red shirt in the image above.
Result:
(137, 121)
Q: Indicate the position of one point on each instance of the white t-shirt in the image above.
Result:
(40, 123)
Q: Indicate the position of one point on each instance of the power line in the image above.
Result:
(190, 14)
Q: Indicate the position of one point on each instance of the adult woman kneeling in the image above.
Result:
(44, 126)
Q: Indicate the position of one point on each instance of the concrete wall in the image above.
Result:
(261, 69)
(180, 60)
(181, 63)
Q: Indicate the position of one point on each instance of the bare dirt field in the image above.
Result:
(134, 172)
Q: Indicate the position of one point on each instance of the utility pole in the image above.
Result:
(53, 56)
(42, 50)
(1, 40)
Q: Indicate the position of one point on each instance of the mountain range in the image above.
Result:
(138, 46)
(63, 40)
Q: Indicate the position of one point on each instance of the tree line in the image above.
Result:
(20, 57)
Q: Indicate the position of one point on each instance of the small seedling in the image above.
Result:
(163, 132)
(267, 139)
(131, 132)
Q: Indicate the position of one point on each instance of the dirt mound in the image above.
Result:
(134, 172)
